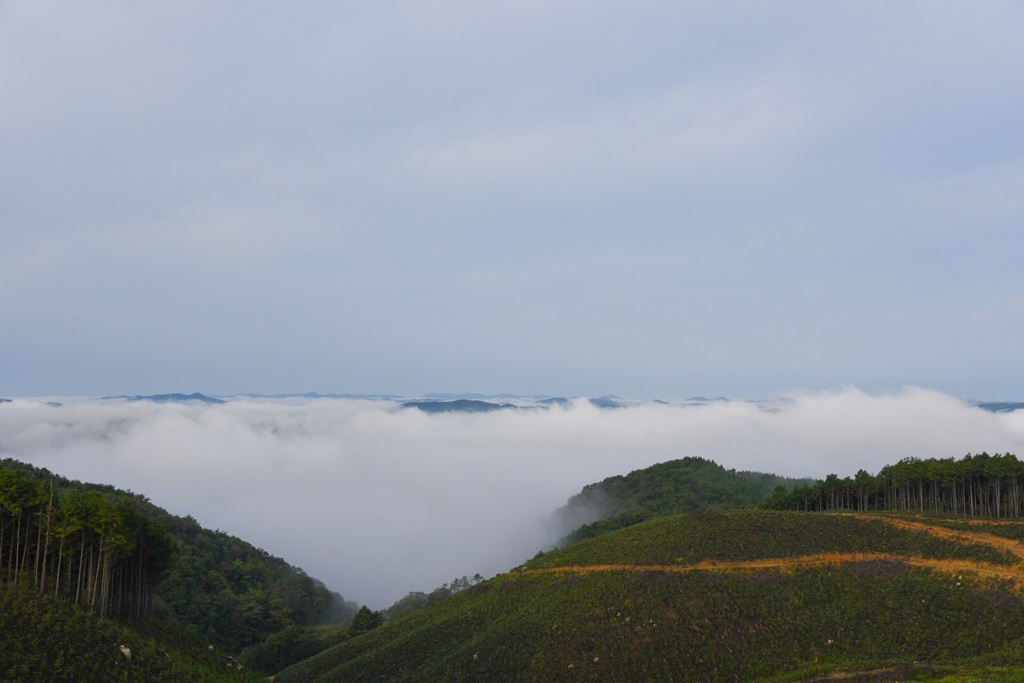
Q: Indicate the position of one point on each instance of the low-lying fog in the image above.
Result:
(376, 500)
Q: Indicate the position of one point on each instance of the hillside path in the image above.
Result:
(1000, 543)
(1014, 573)
(785, 564)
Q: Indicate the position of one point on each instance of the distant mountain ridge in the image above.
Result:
(443, 402)
(170, 398)
(462, 405)
(316, 395)
(999, 406)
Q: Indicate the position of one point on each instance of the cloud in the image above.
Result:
(377, 501)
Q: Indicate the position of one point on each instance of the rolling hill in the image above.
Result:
(748, 595)
(672, 487)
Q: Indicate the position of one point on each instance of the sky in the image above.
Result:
(652, 199)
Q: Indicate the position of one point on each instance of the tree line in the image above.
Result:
(979, 485)
(417, 599)
(95, 547)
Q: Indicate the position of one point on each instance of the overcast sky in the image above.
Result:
(652, 199)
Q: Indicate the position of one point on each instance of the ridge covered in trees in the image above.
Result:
(116, 554)
(672, 487)
(416, 599)
(980, 485)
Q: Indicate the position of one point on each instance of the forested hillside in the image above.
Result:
(116, 554)
(234, 594)
(667, 488)
(97, 548)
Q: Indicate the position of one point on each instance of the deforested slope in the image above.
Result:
(731, 596)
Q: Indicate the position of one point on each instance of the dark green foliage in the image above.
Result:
(699, 626)
(418, 599)
(290, 646)
(976, 485)
(43, 638)
(668, 488)
(116, 553)
(97, 547)
(235, 594)
(365, 621)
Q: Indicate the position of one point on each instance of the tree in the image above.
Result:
(365, 620)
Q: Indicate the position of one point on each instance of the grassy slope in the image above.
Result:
(43, 638)
(547, 621)
(755, 534)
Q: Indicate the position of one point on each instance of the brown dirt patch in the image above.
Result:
(1015, 548)
(895, 673)
(1014, 575)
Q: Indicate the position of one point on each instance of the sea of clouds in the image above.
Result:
(377, 500)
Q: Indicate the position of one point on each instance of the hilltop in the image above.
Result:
(672, 487)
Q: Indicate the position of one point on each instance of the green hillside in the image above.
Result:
(721, 596)
(668, 488)
(43, 638)
(234, 594)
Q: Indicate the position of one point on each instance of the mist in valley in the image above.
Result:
(376, 500)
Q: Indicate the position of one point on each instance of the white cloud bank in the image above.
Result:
(377, 501)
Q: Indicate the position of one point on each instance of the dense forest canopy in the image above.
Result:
(115, 553)
(94, 546)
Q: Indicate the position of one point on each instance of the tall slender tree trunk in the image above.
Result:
(3, 527)
(60, 558)
(46, 544)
